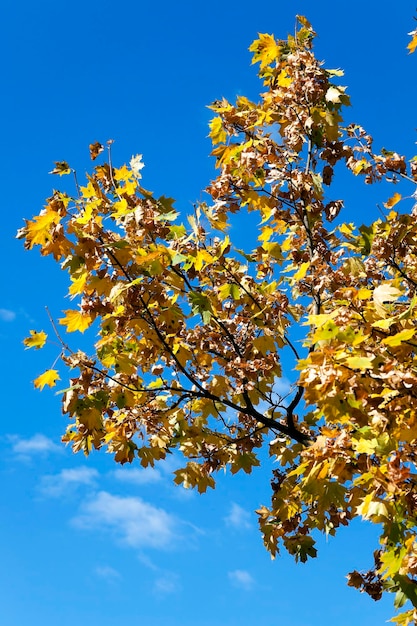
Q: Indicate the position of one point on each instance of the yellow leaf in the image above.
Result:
(89, 191)
(365, 446)
(321, 319)
(359, 362)
(385, 323)
(364, 293)
(265, 49)
(78, 284)
(283, 79)
(299, 275)
(266, 234)
(122, 173)
(273, 249)
(397, 339)
(413, 43)
(38, 231)
(326, 332)
(346, 229)
(122, 208)
(36, 340)
(217, 132)
(49, 378)
(360, 166)
(75, 320)
(392, 201)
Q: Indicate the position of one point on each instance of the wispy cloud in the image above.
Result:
(108, 573)
(135, 476)
(6, 315)
(167, 583)
(54, 485)
(282, 387)
(241, 578)
(38, 444)
(130, 519)
(238, 517)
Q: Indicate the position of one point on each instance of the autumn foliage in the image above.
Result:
(193, 332)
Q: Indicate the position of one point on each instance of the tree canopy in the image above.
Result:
(195, 333)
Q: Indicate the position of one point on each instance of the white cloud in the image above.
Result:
(38, 444)
(55, 485)
(135, 476)
(6, 315)
(241, 578)
(238, 517)
(282, 387)
(168, 583)
(132, 520)
(107, 572)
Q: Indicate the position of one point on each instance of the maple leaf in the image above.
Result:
(136, 165)
(95, 149)
(384, 294)
(61, 168)
(76, 320)
(217, 132)
(392, 201)
(50, 378)
(36, 340)
(193, 343)
(413, 43)
(38, 231)
(265, 49)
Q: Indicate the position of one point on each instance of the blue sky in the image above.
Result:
(84, 540)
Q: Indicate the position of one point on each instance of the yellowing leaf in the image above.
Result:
(122, 208)
(78, 284)
(360, 166)
(61, 168)
(384, 293)
(38, 231)
(413, 43)
(36, 340)
(321, 319)
(75, 320)
(89, 191)
(266, 233)
(326, 332)
(265, 50)
(364, 293)
(217, 132)
(49, 378)
(283, 79)
(122, 173)
(95, 149)
(264, 344)
(299, 275)
(304, 21)
(365, 446)
(392, 201)
(397, 339)
(359, 362)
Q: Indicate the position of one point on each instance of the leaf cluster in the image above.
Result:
(193, 333)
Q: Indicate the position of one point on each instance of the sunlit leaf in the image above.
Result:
(36, 340)
(50, 378)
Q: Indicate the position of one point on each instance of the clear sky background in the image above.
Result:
(84, 541)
